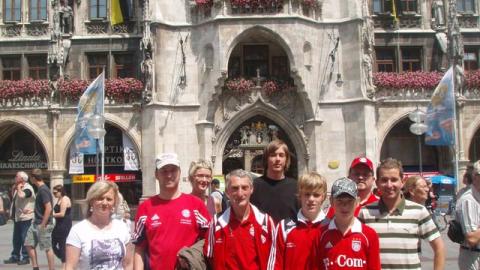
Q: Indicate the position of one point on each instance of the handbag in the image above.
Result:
(3, 219)
(455, 231)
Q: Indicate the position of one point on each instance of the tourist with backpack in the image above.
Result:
(217, 202)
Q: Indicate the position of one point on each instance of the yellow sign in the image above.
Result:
(83, 178)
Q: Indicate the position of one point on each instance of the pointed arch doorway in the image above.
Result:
(244, 148)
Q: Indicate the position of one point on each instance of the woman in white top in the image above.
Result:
(100, 242)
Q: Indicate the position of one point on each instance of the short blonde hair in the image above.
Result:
(312, 181)
(98, 189)
(411, 183)
(199, 164)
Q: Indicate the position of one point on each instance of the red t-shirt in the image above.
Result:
(163, 227)
(293, 243)
(372, 198)
(234, 245)
(357, 249)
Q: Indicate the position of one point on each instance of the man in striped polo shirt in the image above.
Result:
(400, 223)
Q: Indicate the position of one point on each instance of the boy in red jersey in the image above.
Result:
(242, 236)
(169, 221)
(345, 242)
(294, 238)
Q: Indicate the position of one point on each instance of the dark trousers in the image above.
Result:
(58, 244)
(20, 229)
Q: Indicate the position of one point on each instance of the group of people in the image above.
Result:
(271, 222)
(33, 214)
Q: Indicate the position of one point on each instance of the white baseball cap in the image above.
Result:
(166, 159)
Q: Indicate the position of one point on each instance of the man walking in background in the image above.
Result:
(40, 233)
(22, 214)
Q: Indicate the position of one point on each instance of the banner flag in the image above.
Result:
(76, 161)
(120, 11)
(439, 118)
(130, 157)
(90, 103)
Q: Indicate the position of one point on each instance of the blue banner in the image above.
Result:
(439, 118)
(90, 103)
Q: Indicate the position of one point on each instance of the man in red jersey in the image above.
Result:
(242, 236)
(361, 171)
(294, 238)
(169, 221)
(345, 242)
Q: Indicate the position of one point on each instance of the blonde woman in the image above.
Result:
(416, 189)
(200, 176)
(99, 241)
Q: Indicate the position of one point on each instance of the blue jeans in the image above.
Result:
(20, 229)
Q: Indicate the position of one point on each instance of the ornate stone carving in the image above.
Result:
(96, 28)
(13, 30)
(37, 29)
(410, 21)
(147, 47)
(368, 43)
(122, 28)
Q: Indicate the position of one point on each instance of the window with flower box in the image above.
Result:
(37, 68)
(385, 58)
(124, 65)
(466, 6)
(98, 9)
(12, 10)
(411, 59)
(96, 63)
(255, 57)
(11, 67)
(470, 58)
(38, 10)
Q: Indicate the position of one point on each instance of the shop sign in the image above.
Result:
(20, 160)
(120, 177)
(83, 178)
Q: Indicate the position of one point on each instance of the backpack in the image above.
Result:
(225, 202)
(455, 231)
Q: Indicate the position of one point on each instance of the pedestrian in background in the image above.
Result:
(241, 237)
(200, 176)
(344, 242)
(294, 239)
(40, 233)
(466, 180)
(468, 214)
(274, 193)
(217, 202)
(21, 211)
(63, 221)
(100, 241)
(400, 223)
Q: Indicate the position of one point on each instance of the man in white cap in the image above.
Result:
(169, 221)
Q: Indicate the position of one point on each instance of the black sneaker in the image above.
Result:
(24, 261)
(10, 261)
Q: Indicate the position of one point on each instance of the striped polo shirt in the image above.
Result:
(400, 232)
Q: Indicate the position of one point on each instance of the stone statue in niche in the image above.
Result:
(66, 17)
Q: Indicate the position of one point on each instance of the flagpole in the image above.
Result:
(102, 144)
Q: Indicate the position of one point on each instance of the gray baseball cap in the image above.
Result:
(344, 185)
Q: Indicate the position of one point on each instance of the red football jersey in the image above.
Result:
(163, 227)
(243, 246)
(357, 249)
(372, 198)
(293, 242)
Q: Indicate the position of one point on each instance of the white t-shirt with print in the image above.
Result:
(99, 249)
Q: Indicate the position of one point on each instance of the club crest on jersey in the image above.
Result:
(186, 213)
(252, 231)
(356, 245)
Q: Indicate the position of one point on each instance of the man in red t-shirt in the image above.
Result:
(361, 171)
(345, 242)
(241, 237)
(169, 221)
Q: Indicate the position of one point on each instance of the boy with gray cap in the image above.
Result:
(169, 221)
(345, 242)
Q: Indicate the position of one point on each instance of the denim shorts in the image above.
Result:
(37, 236)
